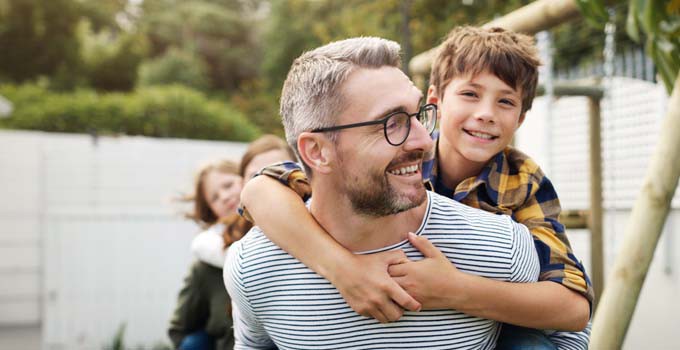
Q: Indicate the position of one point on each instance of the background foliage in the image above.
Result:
(654, 22)
(164, 111)
(236, 53)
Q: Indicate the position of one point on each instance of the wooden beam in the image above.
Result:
(592, 90)
(530, 19)
(574, 219)
(641, 234)
(595, 218)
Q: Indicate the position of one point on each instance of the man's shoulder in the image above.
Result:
(480, 242)
(449, 210)
(256, 256)
(255, 243)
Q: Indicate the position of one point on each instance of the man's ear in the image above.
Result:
(317, 151)
(433, 97)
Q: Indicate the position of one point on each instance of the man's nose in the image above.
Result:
(418, 137)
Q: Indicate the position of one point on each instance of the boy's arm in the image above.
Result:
(540, 213)
(361, 279)
(438, 284)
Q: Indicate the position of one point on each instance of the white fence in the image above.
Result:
(91, 237)
(631, 116)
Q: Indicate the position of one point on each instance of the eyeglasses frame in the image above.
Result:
(384, 120)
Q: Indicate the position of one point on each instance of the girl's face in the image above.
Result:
(221, 191)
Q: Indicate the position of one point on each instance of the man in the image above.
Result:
(355, 122)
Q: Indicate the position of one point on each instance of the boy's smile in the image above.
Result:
(478, 118)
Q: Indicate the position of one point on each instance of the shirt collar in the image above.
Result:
(497, 164)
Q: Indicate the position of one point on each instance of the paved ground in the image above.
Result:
(20, 337)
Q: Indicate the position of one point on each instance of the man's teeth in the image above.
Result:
(404, 170)
(481, 135)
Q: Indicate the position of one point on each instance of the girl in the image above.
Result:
(202, 319)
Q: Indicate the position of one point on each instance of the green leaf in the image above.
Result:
(632, 22)
(594, 11)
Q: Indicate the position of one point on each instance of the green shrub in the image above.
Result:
(163, 111)
(175, 67)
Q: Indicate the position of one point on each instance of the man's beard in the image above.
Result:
(374, 196)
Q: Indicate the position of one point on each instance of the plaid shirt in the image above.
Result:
(511, 184)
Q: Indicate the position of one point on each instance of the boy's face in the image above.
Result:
(478, 116)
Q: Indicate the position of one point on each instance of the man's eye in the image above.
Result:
(395, 122)
(392, 123)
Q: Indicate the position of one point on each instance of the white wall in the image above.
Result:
(91, 237)
(20, 227)
(631, 116)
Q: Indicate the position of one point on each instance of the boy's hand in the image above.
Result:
(428, 280)
(369, 290)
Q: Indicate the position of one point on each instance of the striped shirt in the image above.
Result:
(277, 301)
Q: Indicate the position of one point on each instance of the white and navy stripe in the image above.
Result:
(277, 300)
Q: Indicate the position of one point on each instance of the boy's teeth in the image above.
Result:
(481, 135)
(404, 170)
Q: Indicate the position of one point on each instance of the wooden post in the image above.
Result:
(595, 217)
(642, 234)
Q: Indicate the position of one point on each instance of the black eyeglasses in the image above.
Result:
(396, 125)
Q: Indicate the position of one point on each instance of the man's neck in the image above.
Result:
(452, 167)
(357, 232)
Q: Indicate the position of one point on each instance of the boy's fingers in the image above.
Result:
(378, 315)
(424, 245)
(397, 270)
(395, 257)
(392, 311)
(404, 300)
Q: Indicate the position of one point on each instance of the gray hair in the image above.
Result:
(312, 94)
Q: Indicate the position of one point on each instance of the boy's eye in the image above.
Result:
(469, 93)
(508, 102)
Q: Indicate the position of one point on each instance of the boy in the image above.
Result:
(483, 82)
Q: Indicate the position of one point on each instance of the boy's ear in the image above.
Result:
(432, 95)
(521, 119)
(316, 151)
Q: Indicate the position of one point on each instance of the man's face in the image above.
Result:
(478, 117)
(380, 179)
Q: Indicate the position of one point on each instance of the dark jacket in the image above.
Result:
(203, 304)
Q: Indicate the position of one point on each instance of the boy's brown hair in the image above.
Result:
(468, 51)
